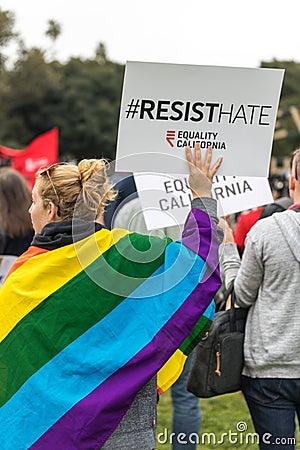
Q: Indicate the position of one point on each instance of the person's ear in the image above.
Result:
(52, 211)
(292, 182)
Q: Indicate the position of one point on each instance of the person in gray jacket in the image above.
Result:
(268, 281)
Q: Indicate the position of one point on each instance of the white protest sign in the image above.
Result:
(166, 200)
(235, 194)
(166, 107)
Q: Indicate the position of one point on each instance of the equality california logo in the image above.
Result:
(183, 138)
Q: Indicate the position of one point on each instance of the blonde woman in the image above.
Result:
(89, 316)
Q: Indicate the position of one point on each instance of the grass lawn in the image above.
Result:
(223, 414)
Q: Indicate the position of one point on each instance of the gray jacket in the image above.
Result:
(268, 280)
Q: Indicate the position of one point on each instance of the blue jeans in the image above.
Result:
(186, 413)
(273, 404)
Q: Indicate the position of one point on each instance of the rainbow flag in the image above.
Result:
(85, 326)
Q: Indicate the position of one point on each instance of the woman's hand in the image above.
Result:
(201, 175)
(228, 233)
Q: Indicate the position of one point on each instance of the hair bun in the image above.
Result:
(88, 167)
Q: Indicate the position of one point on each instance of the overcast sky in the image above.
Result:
(210, 32)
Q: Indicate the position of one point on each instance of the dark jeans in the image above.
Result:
(186, 413)
(273, 404)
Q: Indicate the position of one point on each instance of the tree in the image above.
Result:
(53, 30)
(90, 108)
(7, 22)
(287, 134)
(31, 98)
(81, 98)
(101, 56)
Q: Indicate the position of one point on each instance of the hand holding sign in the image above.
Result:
(201, 175)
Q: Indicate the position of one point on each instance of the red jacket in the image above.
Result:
(245, 222)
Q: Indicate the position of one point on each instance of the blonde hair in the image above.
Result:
(79, 191)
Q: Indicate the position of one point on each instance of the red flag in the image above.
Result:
(41, 152)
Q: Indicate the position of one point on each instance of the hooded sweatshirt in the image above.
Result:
(268, 281)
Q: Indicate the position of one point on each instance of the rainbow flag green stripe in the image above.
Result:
(198, 331)
(78, 306)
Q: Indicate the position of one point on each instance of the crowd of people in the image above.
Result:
(100, 308)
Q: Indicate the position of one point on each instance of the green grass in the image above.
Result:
(220, 414)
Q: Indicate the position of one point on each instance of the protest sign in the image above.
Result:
(235, 194)
(166, 107)
(166, 200)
